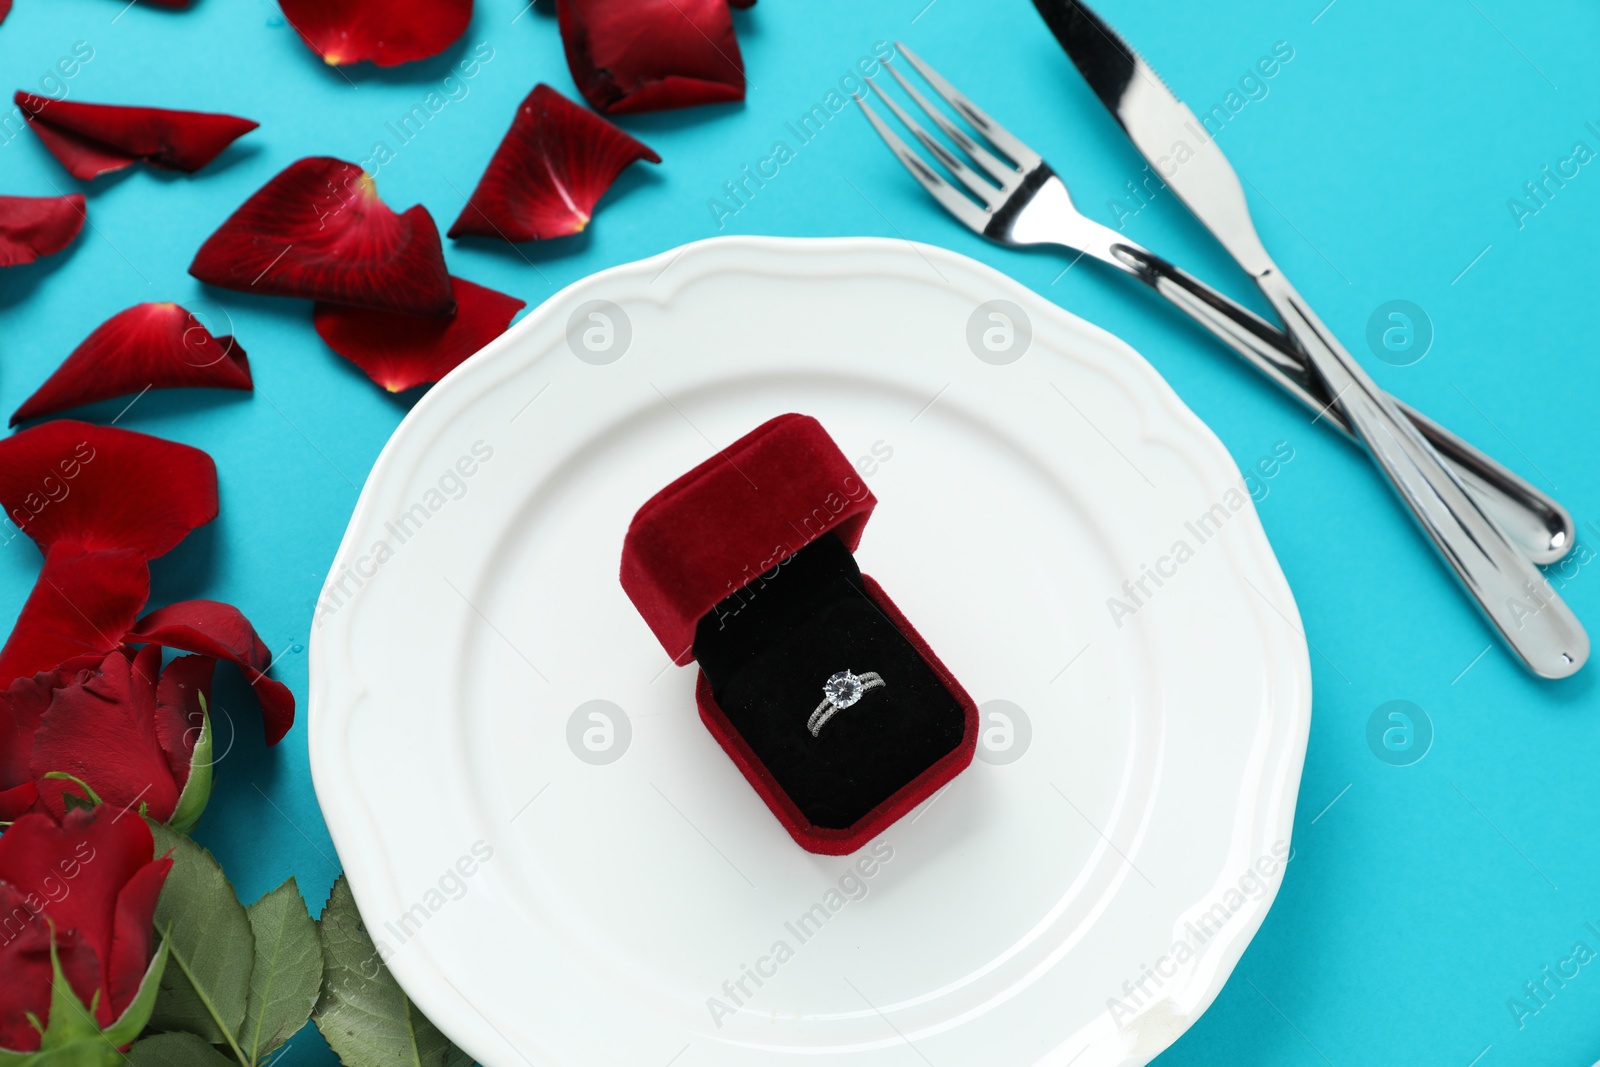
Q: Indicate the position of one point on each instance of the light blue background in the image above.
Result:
(1382, 159)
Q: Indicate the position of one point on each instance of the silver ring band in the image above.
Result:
(840, 691)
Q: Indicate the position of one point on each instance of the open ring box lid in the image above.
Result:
(746, 564)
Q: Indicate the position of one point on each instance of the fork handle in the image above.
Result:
(1541, 528)
(1534, 621)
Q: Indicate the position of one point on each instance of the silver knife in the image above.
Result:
(1510, 591)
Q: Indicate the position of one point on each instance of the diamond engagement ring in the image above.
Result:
(841, 691)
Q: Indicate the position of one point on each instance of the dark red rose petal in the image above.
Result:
(349, 31)
(95, 139)
(553, 166)
(179, 715)
(82, 604)
(25, 962)
(19, 721)
(5, 9)
(104, 488)
(221, 630)
(102, 730)
(402, 351)
(149, 346)
(14, 803)
(22, 706)
(111, 901)
(133, 933)
(35, 226)
(651, 55)
(319, 231)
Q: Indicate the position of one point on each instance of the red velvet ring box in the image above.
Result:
(746, 564)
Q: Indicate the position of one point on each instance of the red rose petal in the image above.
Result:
(5, 9)
(25, 962)
(319, 231)
(651, 55)
(149, 346)
(14, 803)
(133, 933)
(21, 708)
(20, 711)
(553, 166)
(95, 139)
(402, 351)
(108, 853)
(221, 630)
(35, 226)
(102, 730)
(179, 715)
(104, 488)
(82, 604)
(389, 34)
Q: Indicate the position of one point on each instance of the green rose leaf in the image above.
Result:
(176, 1050)
(95, 1052)
(197, 790)
(206, 986)
(73, 1037)
(287, 977)
(365, 1016)
(71, 1021)
(138, 1012)
(90, 798)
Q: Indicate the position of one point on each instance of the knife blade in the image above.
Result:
(1512, 594)
(1166, 132)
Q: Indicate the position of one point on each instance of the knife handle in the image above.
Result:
(1540, 527)
(1511, 592)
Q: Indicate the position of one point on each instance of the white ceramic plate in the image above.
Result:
(560, 882)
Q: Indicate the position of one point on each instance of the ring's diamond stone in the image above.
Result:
(842, 689)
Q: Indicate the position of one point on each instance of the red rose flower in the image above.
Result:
(123, 727)
(101, 502)
(89, 885)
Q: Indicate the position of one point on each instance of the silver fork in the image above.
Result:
(1024, 202)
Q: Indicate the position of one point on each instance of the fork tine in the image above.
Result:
(954, 201)
(983, 190)
(1025, 157)
(1001, 171)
